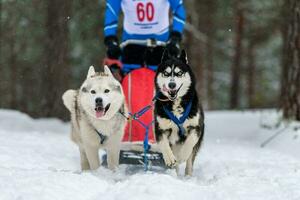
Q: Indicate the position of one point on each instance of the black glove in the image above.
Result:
(113, 50)
(173, 43)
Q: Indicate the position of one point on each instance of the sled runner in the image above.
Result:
(139, 144)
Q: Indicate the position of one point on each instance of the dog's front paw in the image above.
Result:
(170, 160)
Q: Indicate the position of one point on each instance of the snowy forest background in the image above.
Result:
(246, 54)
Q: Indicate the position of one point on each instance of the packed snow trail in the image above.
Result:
(39, 162)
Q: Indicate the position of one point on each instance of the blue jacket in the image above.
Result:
(149, 13)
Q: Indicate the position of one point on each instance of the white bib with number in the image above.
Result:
(146, 16)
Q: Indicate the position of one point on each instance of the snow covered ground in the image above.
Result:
(38, 161)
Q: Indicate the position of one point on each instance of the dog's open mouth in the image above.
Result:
(172, 94)
(101, 111)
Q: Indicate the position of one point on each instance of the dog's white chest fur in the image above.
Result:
(109, 127)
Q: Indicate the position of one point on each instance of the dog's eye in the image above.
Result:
(106, 91)
(179, 74)
(165, 74)
(93, 91)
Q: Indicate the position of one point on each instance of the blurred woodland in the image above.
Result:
(246, 54)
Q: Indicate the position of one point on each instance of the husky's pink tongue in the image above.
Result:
(99, 113)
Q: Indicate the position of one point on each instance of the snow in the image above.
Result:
(38, 161)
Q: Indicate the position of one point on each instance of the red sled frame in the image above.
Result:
(139, 145)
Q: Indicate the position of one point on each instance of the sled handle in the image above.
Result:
(147, 43)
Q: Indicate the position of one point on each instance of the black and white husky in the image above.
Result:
(179, 125)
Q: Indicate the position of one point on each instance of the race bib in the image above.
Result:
(146, 16)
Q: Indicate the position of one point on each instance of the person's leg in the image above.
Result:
(153, 56)
(133, 54)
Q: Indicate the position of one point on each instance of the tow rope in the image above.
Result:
(146, 145)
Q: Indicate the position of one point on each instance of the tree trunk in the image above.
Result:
(195, 49)
(251, 69)
(236, 67)
(284, 61)
(284, 66)
(1, 59)
(56, 70)
(291, 104)
(211, 9)
(1, 36)
(13, 70)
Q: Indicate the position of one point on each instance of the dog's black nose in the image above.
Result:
(172, 85)
(98, 100)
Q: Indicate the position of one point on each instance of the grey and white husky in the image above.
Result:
(179, 125)
(96, 118)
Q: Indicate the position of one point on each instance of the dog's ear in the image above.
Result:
(107, 71)
(183, 57)
(165, 56)
(91, 72)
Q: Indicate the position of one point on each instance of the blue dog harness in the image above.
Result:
(136, 116)
(179, 122)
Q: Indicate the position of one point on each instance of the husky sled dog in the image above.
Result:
(96, 118)
(179, 125)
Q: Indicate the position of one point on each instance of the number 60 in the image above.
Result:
(145, 11)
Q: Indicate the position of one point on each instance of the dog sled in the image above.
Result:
(139, 145)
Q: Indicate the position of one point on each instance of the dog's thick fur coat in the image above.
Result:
(96, 119)
(175, 88)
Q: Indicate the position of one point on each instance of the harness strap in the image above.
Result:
(101, 136)
(142, 111)
(146, 145)
(123, 114)
(179, 122)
